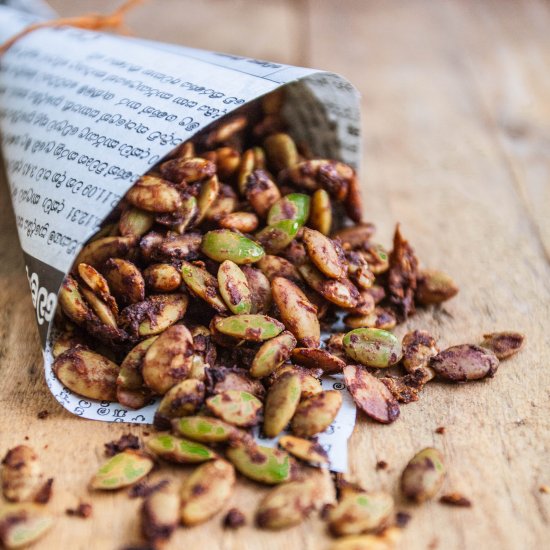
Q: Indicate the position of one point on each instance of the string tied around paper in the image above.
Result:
(92, 21)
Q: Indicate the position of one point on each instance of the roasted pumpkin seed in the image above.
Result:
(206, 491)
(324, 253)
(234, 288)
(423, 476)
(204, 429)
(260, 289)
(261, 192)
(21, 474)
(23, 523)
(208, 194)
(160, 514)
(320, 217)
(310, 383)
(162, 277)
(72, 302)
(294, 206)
(187, 170)
(281, 151)
(178, 450)
(154, 195)
(275, 266)
(239, 408)
(122, 470)
(135, 222)
(183, 399)
(313, 358)
(222, 244)
(371, 395)
(272, 354)
(203, 284)
(503, 344)
(435, 287)
(245, 222)
(465, 362)
(129, 375)
(100, 250)
(316, 413)
(281, 402)
(372, 347)
(255, 328)
(419, 346)
(277, 236)
(304, 449)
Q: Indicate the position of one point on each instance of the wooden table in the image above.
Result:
(456, 104)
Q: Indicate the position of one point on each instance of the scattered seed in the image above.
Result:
(464, 363)
(456, 499)
(503, 344)
(234, 519)
(122, 470)
(423, 476)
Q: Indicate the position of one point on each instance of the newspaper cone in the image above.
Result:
(84, 114)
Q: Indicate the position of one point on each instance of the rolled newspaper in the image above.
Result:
(84, 114)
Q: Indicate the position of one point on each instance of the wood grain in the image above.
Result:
(456, 134)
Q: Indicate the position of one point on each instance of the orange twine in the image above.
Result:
(92, 22)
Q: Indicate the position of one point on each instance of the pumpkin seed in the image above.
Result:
(179, 247)
(316, 413)
(356, 235)
(359, 512)
(162, 277)
(320, 217)
(245, 222)
(21, 474)
(161, 312)
(234, 288)
(98, 251)
(87, 373)
(154, 195)
(260, 289)
(281, 151)
(434, 287)
(297, 313)
(160, 513)
(377, 257)
(353, 202)
(206, 491)
(252, 159)
(186, 215)
(324, 253)
(100, 308)
(255, 328)
(187, 170)
(287, 505)
(340, 292)
(225, 203)
(503, 344)
(372, 347)
(237, 379)
(311, 385)
(304, 449)
(183, 399)
(178, 450)
(294, 206)
(166, 362)
(275, 266)
(72, 302)
(419, 346)
(133, 399)
(135, 222)
(97, 284)
(277, 236)
(363, 542)
(125, 280)
(365, 305)
(208, 193)
(122, 470)
(22, 524)
(65, 342)
(227, 161)
(281, 402)
(222, 244)
(371, 395)
(312, 358)
(465, 362)
(380, 318)
(261, 464)
(272, 354)
(204, 429)
(423, 476)
(239, 408)
(129, 375)
(203, 284)
(358, 270)
(261, 192)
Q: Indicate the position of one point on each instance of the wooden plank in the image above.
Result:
(433, 162)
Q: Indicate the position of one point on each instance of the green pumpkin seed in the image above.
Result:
(205, 492)
(371, 395)
(23, 523)
(234, 288)
(87, 373)
(281, 402)
(204, 429)
(154, 195)
(181, 451)
(167, 361)
(316, 413)
(183, 399)
(288, 504)
(294, 206)
(255, 328)
(327, 256)
(272, 354)
(297, 313)
(222, 244)
(203, 284)
(359, 512)
(169, 309)
(423, 476)
(260, 289)
(262, 464)
(122, 470)
(311, 385)
(304, 449)
(135, 222)
(281, 151)
(372, 347)
(277, 236)
(320, 217)
(236, 407)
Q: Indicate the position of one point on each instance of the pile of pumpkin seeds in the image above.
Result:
(209, 287)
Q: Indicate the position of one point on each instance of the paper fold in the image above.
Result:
(84, 114)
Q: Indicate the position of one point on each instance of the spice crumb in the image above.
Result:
(402, 519)
(144, 489)
(43, 414)
(440, 430)
(381, 465)
(83, 510)
(127, 441)
(544, 489)
(45, 492)
(456, 499)
(234, 519)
